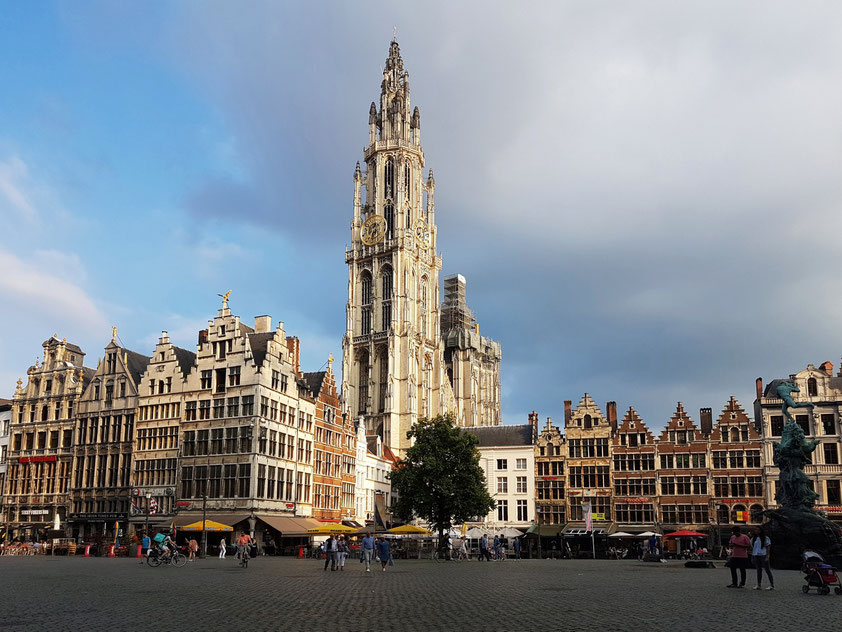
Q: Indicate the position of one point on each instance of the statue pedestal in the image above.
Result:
(795, 530)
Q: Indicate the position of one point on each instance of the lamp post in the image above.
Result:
(204, 520)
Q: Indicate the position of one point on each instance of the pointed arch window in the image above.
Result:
(389, 214)
(422, 325)
(386, 316)
(406, 183)
(389, 179)
(366, 289)
(363, 382)
(384, 380)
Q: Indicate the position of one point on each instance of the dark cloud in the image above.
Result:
(643, 197)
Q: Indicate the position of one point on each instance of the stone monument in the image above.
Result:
(796, 526)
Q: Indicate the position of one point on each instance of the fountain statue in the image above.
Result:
(795, 525)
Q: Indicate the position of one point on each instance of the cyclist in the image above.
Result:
(243, 543)
(168, 546)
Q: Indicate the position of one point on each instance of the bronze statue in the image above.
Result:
(785, 391)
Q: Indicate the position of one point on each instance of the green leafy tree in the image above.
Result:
(440, 479)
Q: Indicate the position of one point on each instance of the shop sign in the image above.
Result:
(830, 508)
(598, 516)
(742, 501)
(52, 458)
(634, 500)
(34, 512)
(102, 515)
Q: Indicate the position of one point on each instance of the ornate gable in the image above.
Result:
(632, 424)
(733, 425)
(680, 421)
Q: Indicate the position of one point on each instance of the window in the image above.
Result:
(234, 376)
(668, 486)
(828, 425)
(831, 454)
(204, 409)
(804, 422)
(589, 476)
(833, 492)
(248, 405)
(502, 464)
(520, 464)
(521, 484)
(220, 380)
(777, 423)
(233, 406)
(812, 387)
(738, 487)
(754, 486)
(634, 513)
(720, 460)
(522, 511)
(276, 379)
(502, 510)
(284, 383)
(366, 289)
(503, 485)
(735, 459)
(366, 321)
(206, 378)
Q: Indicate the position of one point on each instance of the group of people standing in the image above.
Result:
(336, 551)
(497, 550)
(760, 546)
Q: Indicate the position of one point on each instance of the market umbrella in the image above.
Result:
(474, 533)
(409, 529)
(686, 534)
(210, 525)
(621, 534)
(329, 528)
(509, 532)
(648, 534)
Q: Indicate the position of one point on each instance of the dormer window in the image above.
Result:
(812, 387)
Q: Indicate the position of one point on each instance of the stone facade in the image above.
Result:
(393, 369)
(5, 423)
(104, 435)
(823, 389)
(373, 489)
(550, 478)
(40, 456)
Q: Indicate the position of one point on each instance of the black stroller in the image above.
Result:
(818, 574)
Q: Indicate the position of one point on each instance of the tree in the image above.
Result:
(440, 479)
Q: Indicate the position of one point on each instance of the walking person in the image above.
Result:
(330, 552)
(740, 544)
(761, 546)
(368, 550)
(193, 546)
(383, 553)
(516, 545)
(222, 549)
(483, 549)
(341, 552)
(145, 543)
(496, 548)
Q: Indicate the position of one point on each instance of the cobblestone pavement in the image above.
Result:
(42, 593)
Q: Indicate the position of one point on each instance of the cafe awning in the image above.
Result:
(330, 527)
(186, 519)
(409, 529)
(545, 530)
(289, 526)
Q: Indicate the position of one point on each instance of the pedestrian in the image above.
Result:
(367, 547)
(383, 552)
(761, 546)
(222, 549)
(516, 545)
(653, 543)
(740, 544)
(330, 552)
(483, 548)
(341, 552)
(145, 543)
(496, 547)
(193, 546)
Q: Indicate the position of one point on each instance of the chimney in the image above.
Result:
(827, 367)
(568, 412)
(262, 324)
(294, 346)
(758, 385)
(611, 411)
(706, 420)
(203, 336)
(533, 421)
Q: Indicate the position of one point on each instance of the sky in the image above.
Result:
(644, 197)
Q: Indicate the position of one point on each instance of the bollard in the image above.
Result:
(111, 551)
(87, 550)
(139, 549)
(300, 551)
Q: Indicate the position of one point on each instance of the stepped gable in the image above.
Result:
(634, 425)
(680, 421)
(551, 433)
(587, 406)
(734, 417)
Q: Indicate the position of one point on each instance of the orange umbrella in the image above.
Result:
(690, 534)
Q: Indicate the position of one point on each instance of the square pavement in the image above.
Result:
(43, 593)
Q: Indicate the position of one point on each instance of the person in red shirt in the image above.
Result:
(740, 544)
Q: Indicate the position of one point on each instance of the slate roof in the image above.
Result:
(87, 375)
(137, 364)
(259, 343)
(68, 345)
(186, 359)
(314, 381)
(5, 404)
(500, 436)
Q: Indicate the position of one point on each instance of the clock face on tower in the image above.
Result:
(373, 230)
(422, 233)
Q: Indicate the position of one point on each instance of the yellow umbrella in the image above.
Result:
(330, 528)
(409, 529)
(210, 525)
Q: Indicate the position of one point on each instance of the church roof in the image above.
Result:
(501, 436)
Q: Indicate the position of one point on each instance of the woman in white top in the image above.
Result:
(222, 548)
(761, 545)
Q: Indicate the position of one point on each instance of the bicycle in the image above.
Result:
(157, 557)
(244, 557)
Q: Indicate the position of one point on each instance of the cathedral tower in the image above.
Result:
(393, 362)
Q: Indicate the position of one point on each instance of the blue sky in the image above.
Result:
(644, 199)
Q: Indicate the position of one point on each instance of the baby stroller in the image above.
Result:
(818, 574)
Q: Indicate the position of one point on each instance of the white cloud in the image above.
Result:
(14, 199)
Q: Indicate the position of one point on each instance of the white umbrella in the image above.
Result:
(56, 522)
(621, 534)
(648, 534)
(509, 532)
(474, 533)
